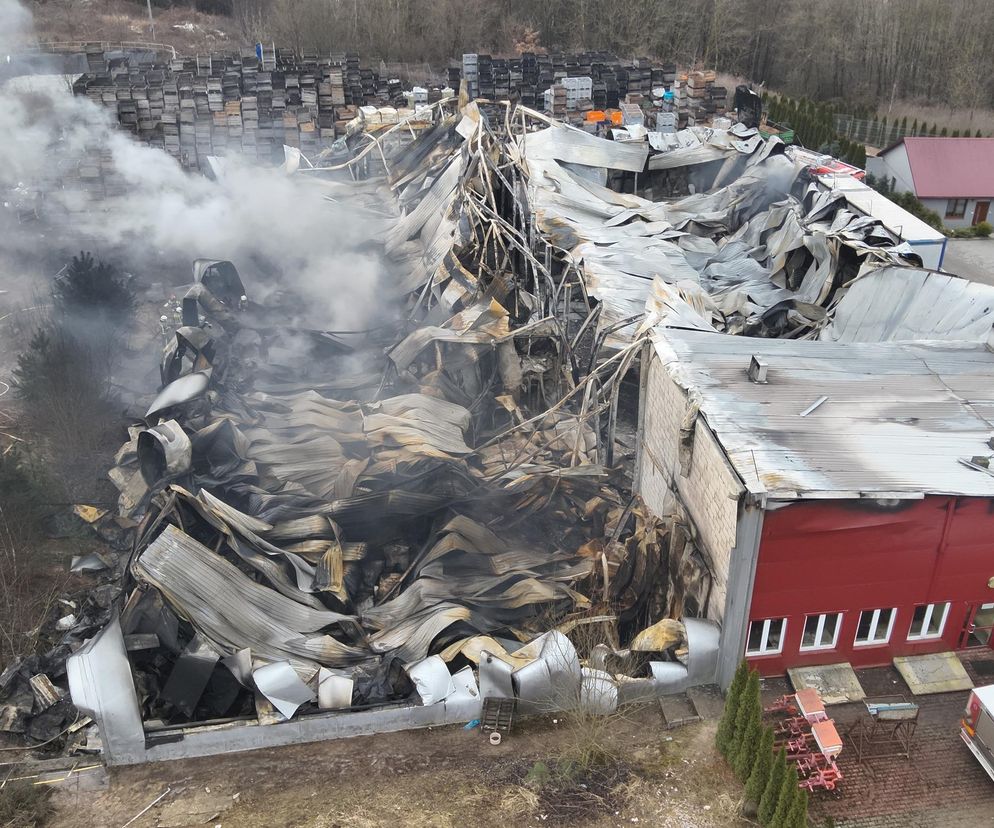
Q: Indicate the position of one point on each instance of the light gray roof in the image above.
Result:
(904, 303)
(898, 420)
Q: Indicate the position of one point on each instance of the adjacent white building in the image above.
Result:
(952, 176)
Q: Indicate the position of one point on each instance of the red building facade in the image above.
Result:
(863, 582)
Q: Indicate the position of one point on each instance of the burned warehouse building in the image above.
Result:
(637, 404)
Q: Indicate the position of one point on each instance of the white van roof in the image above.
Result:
(985, 695)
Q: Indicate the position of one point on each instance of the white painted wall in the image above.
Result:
(707, 486)
(940, 205)
(894, 165)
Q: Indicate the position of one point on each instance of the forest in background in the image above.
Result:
(896, 57)
(863, 53)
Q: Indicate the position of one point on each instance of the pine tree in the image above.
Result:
(933, 130)
(914, 127)
(93, 289)
(726, 727)
(944, 133)
(761, 768)
(771, 793)
(955, 133)
(978, 135)
(904, 127)
(789, 793)
(747, 741)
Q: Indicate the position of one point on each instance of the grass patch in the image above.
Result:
(25, 806)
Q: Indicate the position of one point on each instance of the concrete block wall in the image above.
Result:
(707, 487)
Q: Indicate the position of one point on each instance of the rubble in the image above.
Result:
(435, 511)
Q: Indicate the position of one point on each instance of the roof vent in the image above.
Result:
(757, 369)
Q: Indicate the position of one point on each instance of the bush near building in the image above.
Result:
(772, 794)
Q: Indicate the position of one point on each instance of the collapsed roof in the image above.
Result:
(344, 510)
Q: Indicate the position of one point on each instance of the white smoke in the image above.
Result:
(252, 214)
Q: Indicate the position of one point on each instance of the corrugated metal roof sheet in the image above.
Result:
(899, 417)
(895, 218)
(904, 304)
(952, 167)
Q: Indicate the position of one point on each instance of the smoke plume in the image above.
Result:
(279, 229)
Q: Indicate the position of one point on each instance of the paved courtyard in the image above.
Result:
(972, 259)
(942, 786)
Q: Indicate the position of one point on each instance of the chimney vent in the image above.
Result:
(757, 370)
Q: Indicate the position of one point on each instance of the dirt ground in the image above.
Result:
(181, 27)
(439, 777)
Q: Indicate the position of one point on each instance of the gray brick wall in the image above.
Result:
(710, 489)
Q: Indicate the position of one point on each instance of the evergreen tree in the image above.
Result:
(771, 793)
(93, 289)
(914, 127)
(933, 130)
(761, 768)
(726, 727)
(789, 794)
(944, 133)
(747, 741)
(904, 127)
(978, 134)
(798, 817)
(955, 133)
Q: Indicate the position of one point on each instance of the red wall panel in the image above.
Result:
(847, 556)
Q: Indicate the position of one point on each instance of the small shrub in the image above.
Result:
(798, 817)
(22, 496)
(25, 806)
(538, 775)
(789, 794)
(771, 795)
(978, 231)
(761, 769)
(748, 736)
(724, 738)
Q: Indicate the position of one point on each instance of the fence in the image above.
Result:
(105, 46)
(871, 131)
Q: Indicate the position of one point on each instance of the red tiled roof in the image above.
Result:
(951, 167)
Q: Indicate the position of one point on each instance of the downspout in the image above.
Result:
(741, 581)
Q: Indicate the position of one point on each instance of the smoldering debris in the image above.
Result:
(333, 519)
(433, 506)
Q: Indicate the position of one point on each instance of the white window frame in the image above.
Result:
(872, 640)
(951, 207)
(819, 630)
(763, 649)
(929, 611)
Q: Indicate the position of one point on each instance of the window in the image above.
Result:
(821, 632)
(956, 208)
(766, 637)
(928, 621)
(874, 626)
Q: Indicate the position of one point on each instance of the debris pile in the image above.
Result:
(330, 520)
(440, 506)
